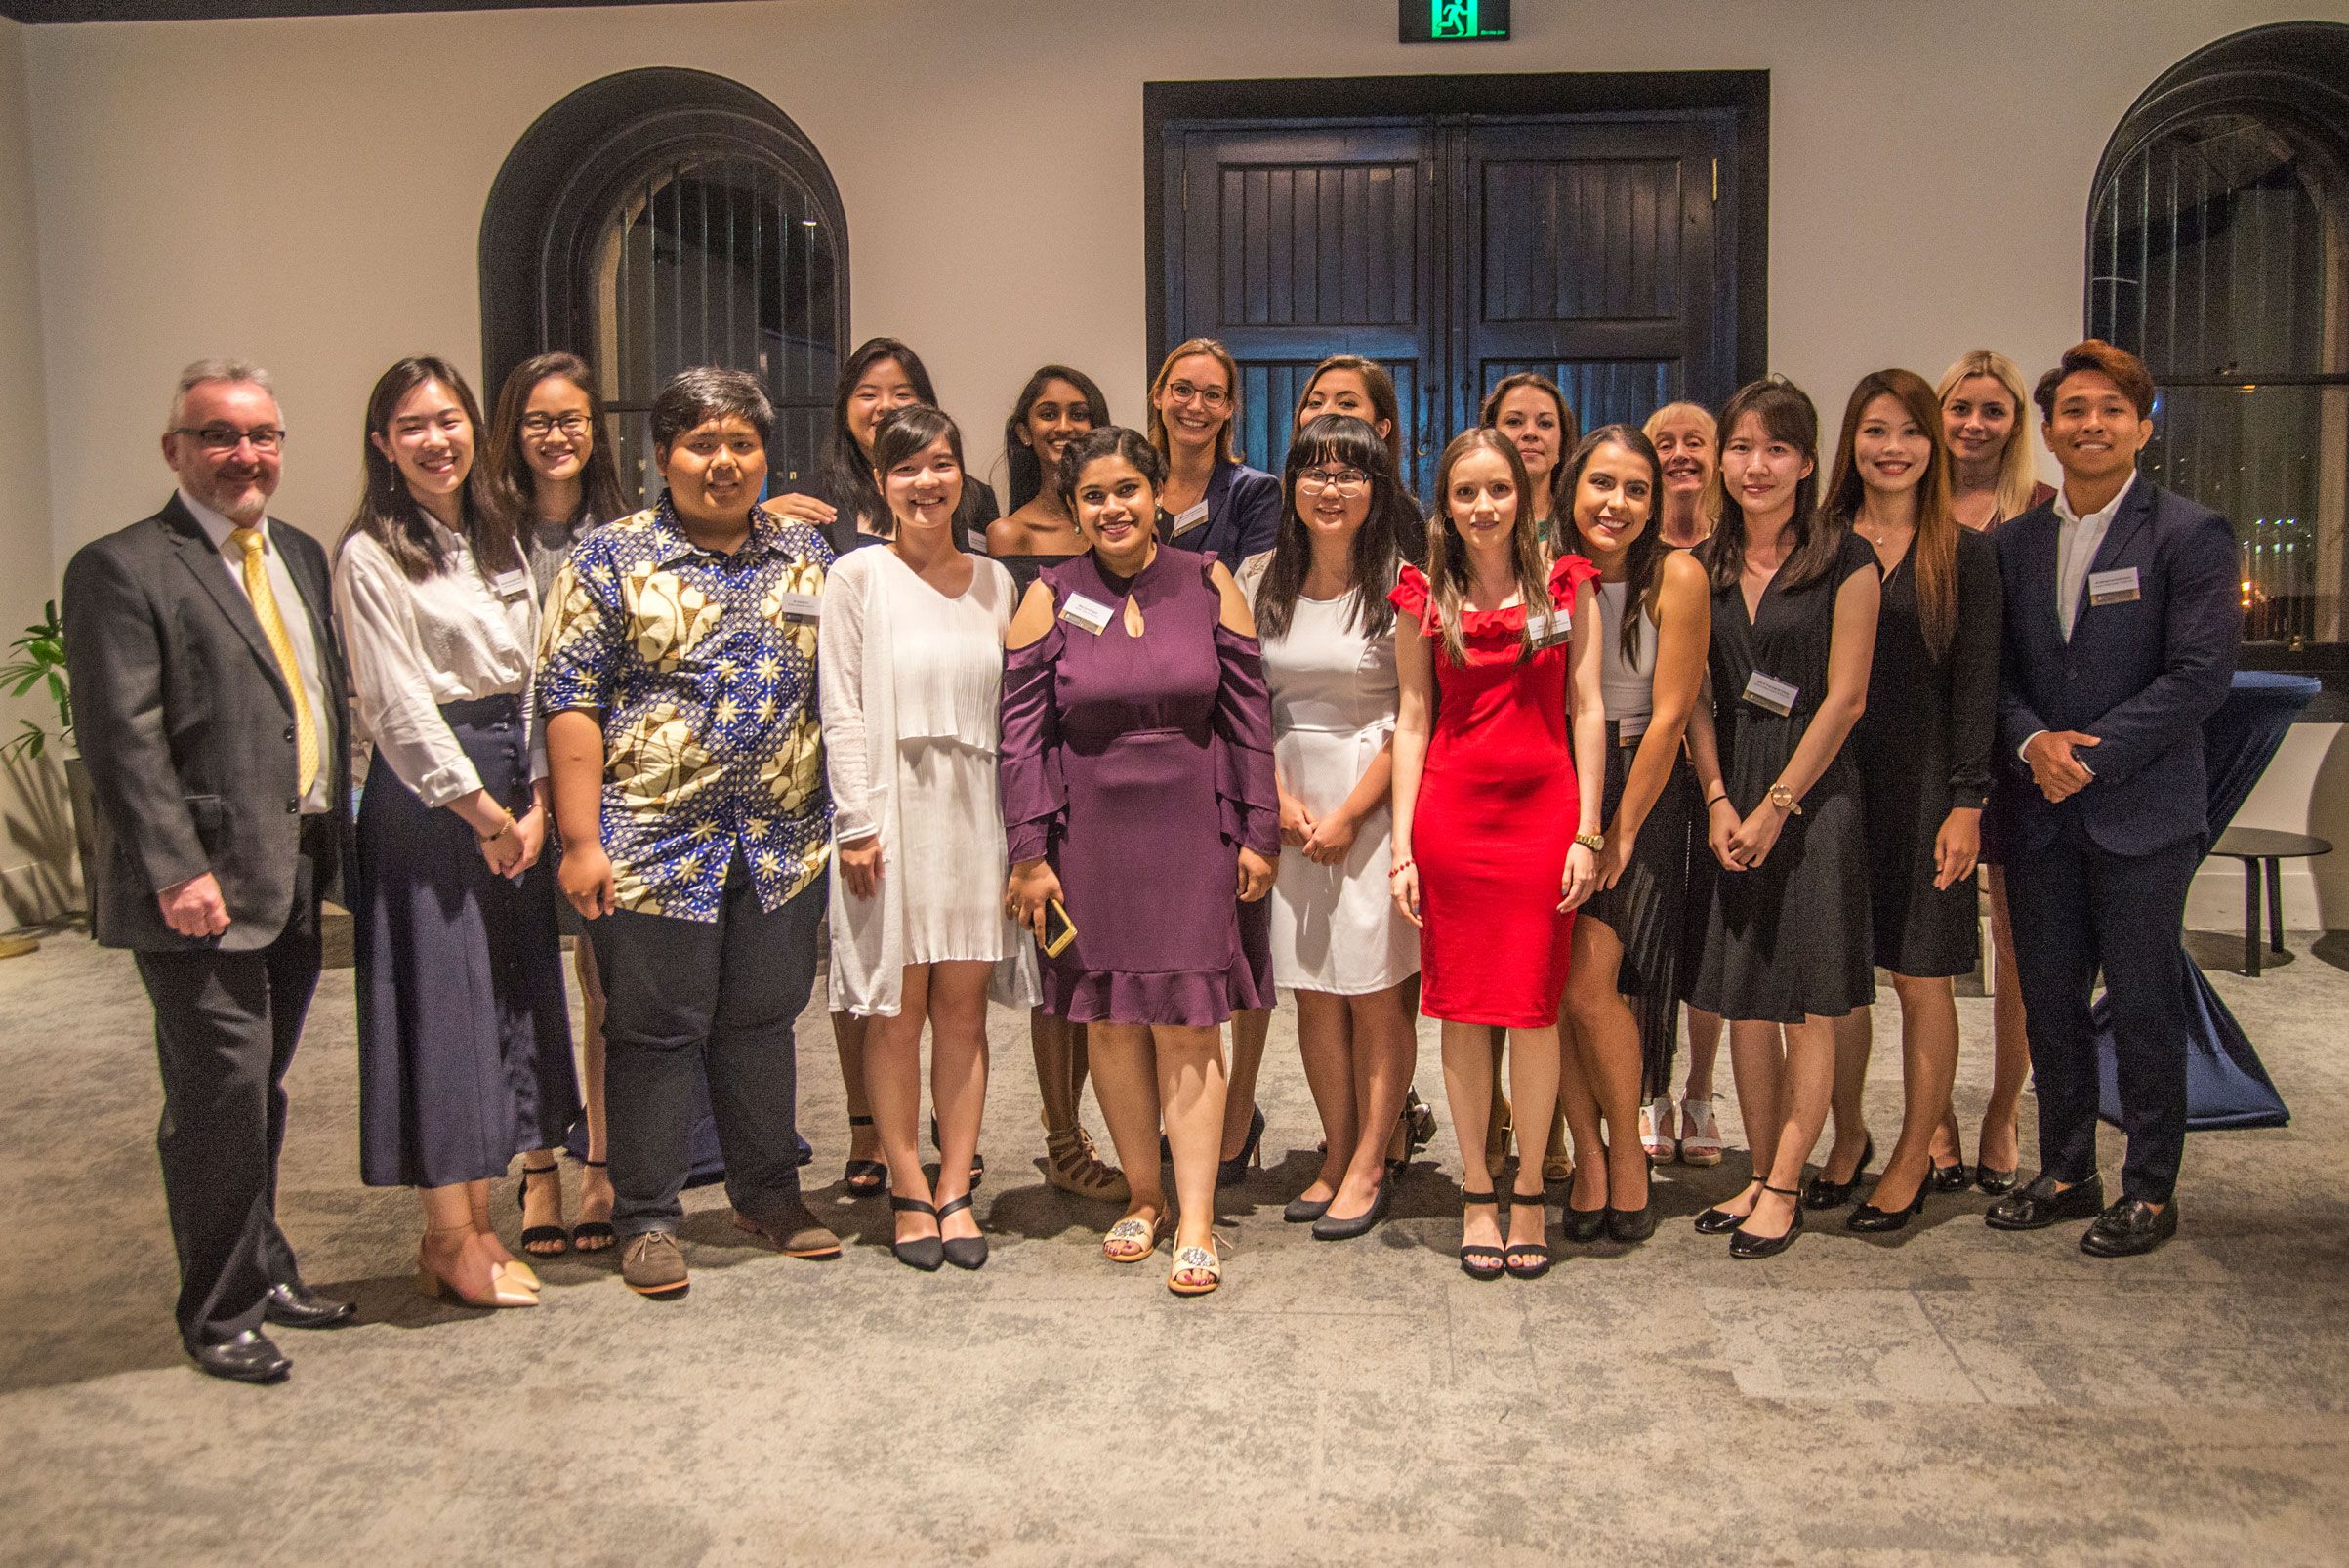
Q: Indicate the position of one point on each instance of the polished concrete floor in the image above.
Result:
(1961, 1396)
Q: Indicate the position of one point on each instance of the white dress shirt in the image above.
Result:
(453, 637)
(2076, 541)
(294, 610)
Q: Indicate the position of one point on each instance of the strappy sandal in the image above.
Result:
(865, 1179)
(1535, 1253)
(1195, 1261)
(593, 1235)
(1134, 1231)
(1073, 1164)
(1743, 1243)
(1700, 1133)
(1473, 1257)
(541, 1241)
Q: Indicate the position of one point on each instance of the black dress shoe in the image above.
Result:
(1718, 1221)
(1744, 1244)
(1631, 1224)
(2130, 1228)
(1304, 1211)
(294, 1306)
(1956, 1178)
(1868, 1220)
(250, 1357)
(1338, 1227)
(1824, 1194)
(2039, 1204)
(1583, 1225)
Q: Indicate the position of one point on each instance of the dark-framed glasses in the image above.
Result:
(227, 437)
(1182, 391)
(538, 426)
(1347, 482)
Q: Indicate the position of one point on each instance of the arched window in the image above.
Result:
(2218, 250)
(662, 219)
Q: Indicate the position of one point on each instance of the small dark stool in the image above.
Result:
(2258, 847)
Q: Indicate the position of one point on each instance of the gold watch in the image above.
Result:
(1784, 798)
(1596, 843)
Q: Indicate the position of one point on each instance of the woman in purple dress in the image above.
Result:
(1138, 791)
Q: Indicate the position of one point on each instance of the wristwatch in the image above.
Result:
(1596, 843)
(1784, 798)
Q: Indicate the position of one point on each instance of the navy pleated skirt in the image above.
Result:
(465, 1037)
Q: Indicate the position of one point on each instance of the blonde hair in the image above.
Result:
(1708, 504)
(2018, 470)
(1166, 372)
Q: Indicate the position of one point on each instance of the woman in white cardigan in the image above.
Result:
(910, 664)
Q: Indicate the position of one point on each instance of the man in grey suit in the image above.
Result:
(209, 698)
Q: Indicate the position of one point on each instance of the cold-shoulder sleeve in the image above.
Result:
(1243, 746)
(1035, 793)
(1410, 595)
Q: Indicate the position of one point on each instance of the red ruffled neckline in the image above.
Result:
(1566, 577)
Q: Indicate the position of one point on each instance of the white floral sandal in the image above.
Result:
(1700, 1133)
(1197, 1269)
(1655, 1130)
(1136, 1235)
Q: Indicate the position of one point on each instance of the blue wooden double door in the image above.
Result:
(1595, 249)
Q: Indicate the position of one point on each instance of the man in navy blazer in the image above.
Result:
(2121, 623)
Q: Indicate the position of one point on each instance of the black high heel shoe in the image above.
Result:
(1868, 1217)
(1998, 1183)
(1719, 1221)
(1304, 1211)
(1480, 1261)
(1950, 1177)
(1234, 1170)
(1824, 1194)
(593, 1235)
(963, 1251)
(925, 1253)
(865, 1178)
(1331, 1227)
(1743, 1243)
(1527, 1259)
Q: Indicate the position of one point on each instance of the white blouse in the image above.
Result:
(412, 646)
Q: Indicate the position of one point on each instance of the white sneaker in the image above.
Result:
(1655, 1130)
(1700, 1133)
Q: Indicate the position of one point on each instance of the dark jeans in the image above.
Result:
(2076, 909)
(723, 994)
(226, 1028)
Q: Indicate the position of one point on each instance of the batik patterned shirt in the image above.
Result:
(703, 669)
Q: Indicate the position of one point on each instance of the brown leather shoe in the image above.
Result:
(653, 1265)
(794, 1230)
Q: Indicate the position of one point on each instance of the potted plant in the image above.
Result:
(38, 659)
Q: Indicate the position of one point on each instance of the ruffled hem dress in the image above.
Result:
(1496, 811)
(1138, 766)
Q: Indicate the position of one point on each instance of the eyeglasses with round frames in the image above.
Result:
(227, 438)
(1210, 397)
(538, 426)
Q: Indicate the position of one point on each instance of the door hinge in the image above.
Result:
(1716, 179)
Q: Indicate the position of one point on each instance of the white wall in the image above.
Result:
(309, 192)
(35, 834)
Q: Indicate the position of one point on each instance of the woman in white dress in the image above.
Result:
(910, 666)
(1337, 942)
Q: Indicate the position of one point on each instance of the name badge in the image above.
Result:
(799, 607)
(1089, 614)
(1187, 520)
(1551, 630)
(2113, 587)
(1769, 692)
(510, 585)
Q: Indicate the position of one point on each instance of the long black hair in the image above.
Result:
(848, 473)
(1371, 564)
(391, 517)
(1024, 467)
(1643, 562)
(511, 476)
(1787, 414)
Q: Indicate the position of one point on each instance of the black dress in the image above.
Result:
(1791, 936)
(1924, 751)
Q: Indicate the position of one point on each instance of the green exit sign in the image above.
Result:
(1451, 21)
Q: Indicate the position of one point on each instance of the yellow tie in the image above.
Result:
(272, 627)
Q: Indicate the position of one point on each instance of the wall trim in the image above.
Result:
(49, 12)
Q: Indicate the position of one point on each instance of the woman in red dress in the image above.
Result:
(1494, 842)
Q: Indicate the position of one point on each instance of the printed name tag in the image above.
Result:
(1089, 614)
(1186, 521)
(1549, 631)
(799, 607)
(1770, 692)
(511, 585)
(2113, 587)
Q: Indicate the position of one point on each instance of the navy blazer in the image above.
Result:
(1243, 516)
(2140, 675)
